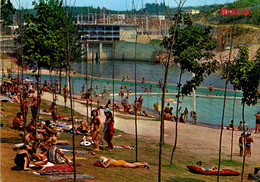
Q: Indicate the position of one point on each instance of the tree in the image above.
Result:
(249, 84)
(192, 50)
(7, 12)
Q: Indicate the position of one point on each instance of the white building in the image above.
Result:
(192, 11)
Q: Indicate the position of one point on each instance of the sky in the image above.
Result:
(120, 4)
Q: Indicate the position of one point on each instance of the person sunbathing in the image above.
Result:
(41, 159)
(206, 169)
(106, 162)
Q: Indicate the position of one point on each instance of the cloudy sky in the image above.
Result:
(121, 4)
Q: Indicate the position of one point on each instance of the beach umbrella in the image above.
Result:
(6, 99)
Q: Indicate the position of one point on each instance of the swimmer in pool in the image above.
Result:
(106, 162)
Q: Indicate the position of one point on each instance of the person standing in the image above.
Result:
(257, 122)
(121, 93)
(186, 113)
(210, 89)
(240, 144)
(65, 94)
(95, 121)
(249, 141)
(34, 106)
(109, 129)
(54, 111)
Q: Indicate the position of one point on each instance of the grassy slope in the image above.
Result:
(148, 151)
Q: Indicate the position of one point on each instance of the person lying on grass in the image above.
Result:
(106, 162)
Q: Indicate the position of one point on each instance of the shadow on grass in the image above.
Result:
(11, 140)
(178, 179)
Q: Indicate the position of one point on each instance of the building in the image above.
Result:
(158, 17)
(192, 11)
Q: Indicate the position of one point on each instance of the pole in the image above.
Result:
(233, 118)
(71, 106)
(136, 136)
(194, 96)
(86, 77)
(113, 76)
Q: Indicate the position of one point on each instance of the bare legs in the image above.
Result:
(94, 139)
(108, 137)
(136, 164)
(25, 164)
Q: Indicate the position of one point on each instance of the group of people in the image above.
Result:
(40, 144)
(248, 144)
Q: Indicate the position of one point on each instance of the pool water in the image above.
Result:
(209, 109)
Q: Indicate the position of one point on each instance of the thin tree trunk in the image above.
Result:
(60, 69)
(162, 122)
(87, 79)
(225, 96)
(71, 106)
(221, 131)
(177, 118)
(91, 83)
(38, 101)
(244, 144)
(113, 76)
(232, 133)
(73, 129)
(136, 136)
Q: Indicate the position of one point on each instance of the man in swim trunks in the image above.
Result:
(257, 122)
(121, 93)
(240, 143)
(249, 141)
(17, 122)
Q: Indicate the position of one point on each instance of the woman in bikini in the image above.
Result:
(95, 121)
(106, 162)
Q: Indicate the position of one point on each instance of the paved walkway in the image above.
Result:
(197, 139)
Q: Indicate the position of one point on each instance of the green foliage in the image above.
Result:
(245, 75)
(7, 12)
(192, 50)
(44, 36)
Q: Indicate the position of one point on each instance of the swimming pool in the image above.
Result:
(209, 109)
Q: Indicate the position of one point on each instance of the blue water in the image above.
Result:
(209, 109)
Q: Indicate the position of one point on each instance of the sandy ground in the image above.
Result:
(197, 139)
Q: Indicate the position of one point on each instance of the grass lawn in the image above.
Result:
(147, 152)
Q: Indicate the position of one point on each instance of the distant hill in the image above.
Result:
(213, 15)
(210, 13)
